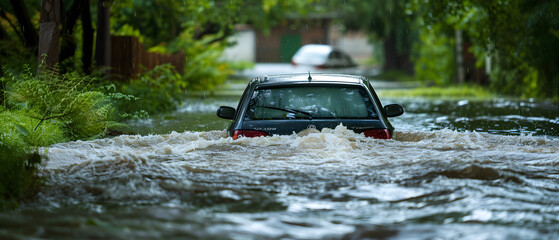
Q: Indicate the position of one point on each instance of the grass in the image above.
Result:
(392, 75)
(464, 91)
(453, 91)
(18, 176)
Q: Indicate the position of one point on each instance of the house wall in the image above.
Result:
(255, 46)
(244, 48)
(357, 45)
(282, 41)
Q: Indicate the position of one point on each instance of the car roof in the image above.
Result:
(316, 48)
(303, 78)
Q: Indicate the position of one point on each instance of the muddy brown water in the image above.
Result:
(455, 169)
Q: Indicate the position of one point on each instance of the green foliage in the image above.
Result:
(163, 20)
(197, 28)
(265, 14)
(14, 55)
(377, 17)
(434, 58)
(158, 90)
(516, 80)
(64, 99)
(18, 175)
(203, 69)
(19, 129)
(40, 111)
(240, 65)
(464, 91)
(520, 37)
(393, 75)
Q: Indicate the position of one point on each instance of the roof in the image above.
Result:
(322, 78)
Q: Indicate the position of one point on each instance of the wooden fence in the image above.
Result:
(129, 58)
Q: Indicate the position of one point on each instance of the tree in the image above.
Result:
(87, 36)
(30, 37)
(386, 21)
(69, 20)
(521, 37)
(49, 34)
(78, 9)
(103, 47)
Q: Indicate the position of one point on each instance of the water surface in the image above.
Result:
(455, 169)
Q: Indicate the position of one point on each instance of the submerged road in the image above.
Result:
(455, 169)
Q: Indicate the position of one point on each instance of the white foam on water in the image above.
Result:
(130, 167)
(331, 148)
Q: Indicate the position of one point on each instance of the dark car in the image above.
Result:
(286, 104)
(321, 57)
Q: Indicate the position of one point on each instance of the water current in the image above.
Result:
(455, 169)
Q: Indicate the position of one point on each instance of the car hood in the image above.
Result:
(286, 127)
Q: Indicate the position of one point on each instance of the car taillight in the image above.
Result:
(293, 63)
(378, 133)
(248, 133)
(320, 66)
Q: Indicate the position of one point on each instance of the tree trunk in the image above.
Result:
(390, 55)
(30, 38)
(87, 36)
(393, 59)
(68, 44)
(49, 34)
(459, 57)
(3, 34)
(103, 48)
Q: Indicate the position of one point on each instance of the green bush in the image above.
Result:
(62, 98)
(14, 55)
(203, 68)
(435, 61)
(18, 129)
(516, 80)
(158, 90)
(40, 111)
(18, 176)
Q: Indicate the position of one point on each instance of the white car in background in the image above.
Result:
(321, 57)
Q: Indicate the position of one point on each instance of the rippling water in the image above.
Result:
(437, 179)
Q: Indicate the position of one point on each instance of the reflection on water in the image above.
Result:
(435, 180)
(498, 116)
(194, 114)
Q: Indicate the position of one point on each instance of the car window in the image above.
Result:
(335, 55)
(327, 102)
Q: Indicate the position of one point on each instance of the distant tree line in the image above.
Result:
(512, 45)
(514, 42)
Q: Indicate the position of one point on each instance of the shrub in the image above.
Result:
(17, 129)
(18, 175)
(434, 61)
(62, 98)
(40, 111)
(155, 91)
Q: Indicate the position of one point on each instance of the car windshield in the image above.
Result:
(327, 102)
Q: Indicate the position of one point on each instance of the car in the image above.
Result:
(321, 57)
(290, 103)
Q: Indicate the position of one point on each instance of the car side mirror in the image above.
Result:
(393, 110)
(226, 112)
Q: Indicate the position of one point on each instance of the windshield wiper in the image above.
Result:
(289, 110)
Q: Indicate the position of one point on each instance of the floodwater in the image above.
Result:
(455, 169)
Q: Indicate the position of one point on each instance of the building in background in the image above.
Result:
(282, 41)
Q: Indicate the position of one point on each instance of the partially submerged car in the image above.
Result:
(287, 104)
(321, 57)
